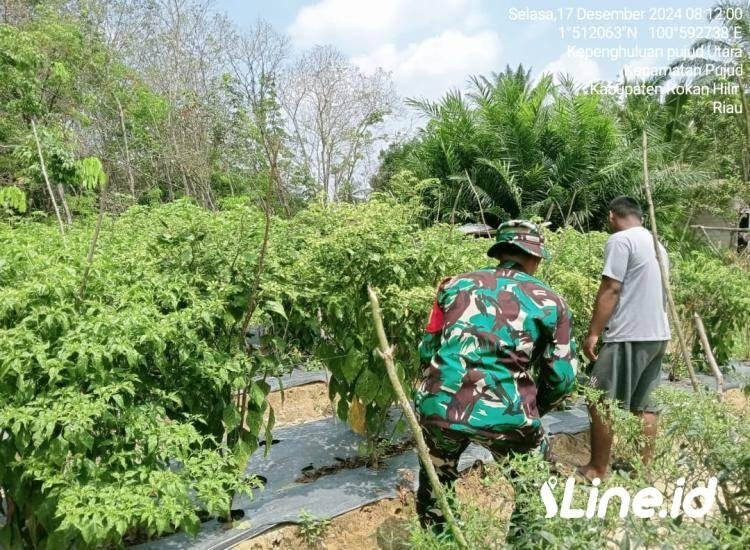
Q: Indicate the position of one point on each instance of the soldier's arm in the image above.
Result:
(557, 376)
(430, 342)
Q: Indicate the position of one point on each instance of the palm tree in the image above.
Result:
(515, 147)
(719, 53)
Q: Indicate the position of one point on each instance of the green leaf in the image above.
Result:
(342, 409)
(275, 307)
(257, 396)
(367, 386)
(231, 417)
(13, 197)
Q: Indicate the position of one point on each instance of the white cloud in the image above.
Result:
(584, 70)
(432, 66)
(358, 24)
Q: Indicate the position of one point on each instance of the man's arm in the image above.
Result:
(606, 302)
(616, 258)
(557, 376)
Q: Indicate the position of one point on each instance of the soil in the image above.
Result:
(570, 451)
(737, 398)
(301, 404)
(385, 524)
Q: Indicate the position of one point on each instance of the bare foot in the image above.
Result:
(589, 473)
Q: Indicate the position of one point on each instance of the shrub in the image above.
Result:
(716, 289)
(114, 405)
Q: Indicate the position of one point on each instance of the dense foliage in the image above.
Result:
(515, 146)
(115, 403)
(176, 100)
(122, 390)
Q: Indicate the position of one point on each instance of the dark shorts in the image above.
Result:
(628, 372)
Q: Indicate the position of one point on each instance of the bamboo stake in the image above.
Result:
(710, 242)
(131, 181)
(68, 216)
(710, 359)
(92, 250)
(730, 229)
(479, 201)
(663, 270)
(46, 178)
(455, 204)
(386, 352)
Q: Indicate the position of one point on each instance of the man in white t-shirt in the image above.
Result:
(630, 315)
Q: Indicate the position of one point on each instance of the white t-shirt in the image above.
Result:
(641, 313)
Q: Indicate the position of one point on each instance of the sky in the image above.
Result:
(431, 46)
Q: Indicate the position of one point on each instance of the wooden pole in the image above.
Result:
(46, 178)
(455, 204)
(730, 229)
(663, 270)
(131, 181)
(710, 359)
(386, 352)
(92, 249)
(479, 202)
(710, 242)
(61, 192)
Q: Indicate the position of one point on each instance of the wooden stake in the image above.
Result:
(663, 270)
(455, 204)
(61, 192)
(479, 202)
(92, 249)
(730, 229)
(46, 178)
(131, 181)
(709, 241)
(710, 359)
(386, 352)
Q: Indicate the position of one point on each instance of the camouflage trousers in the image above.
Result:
(446, 447)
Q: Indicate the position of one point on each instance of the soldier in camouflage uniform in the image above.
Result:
(486, 331)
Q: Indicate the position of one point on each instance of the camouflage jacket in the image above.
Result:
(486, 331)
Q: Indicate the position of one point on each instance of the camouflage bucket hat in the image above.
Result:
(523, 234)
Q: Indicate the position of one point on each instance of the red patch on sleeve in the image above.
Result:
(437, 319)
